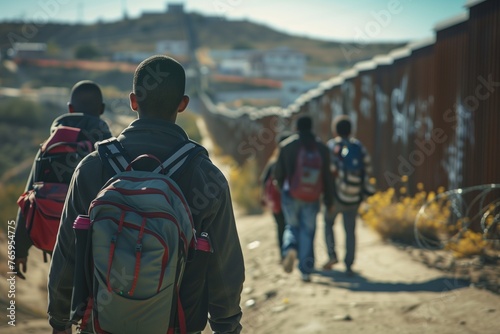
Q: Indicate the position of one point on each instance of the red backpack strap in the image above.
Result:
(62, 134)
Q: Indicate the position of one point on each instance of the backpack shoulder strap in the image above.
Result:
(113, 155)
(116, 159)
(184, 153)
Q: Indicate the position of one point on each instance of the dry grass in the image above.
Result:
(245, 185)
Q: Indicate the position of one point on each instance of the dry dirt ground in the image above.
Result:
(393, 291)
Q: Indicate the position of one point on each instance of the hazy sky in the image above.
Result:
(376, 20)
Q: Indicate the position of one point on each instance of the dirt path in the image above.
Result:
(392, 293)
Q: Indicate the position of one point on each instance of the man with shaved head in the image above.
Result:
(84, 110)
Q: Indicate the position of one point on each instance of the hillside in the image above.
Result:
(142, 33)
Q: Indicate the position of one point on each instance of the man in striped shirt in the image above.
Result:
(351, 169)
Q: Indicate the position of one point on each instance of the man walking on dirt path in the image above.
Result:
(351, 169)
(84, 110)
(212, 281)
(303, 175)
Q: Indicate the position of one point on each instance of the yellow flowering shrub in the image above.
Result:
(398, 217)
(470, 243)
(392, 214)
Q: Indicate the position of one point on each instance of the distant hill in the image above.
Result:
(141, 34)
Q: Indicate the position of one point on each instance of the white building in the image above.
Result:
(236, 66)
(28, 50)
(281, 63)
(175, 8)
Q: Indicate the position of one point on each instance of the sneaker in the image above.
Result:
(349, 272)
(329, 264)
(306, 278)
(289, 260)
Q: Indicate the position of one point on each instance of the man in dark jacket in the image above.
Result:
(85, 108)
(300, 214)
(212, 281)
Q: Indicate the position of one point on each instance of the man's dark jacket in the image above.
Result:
(212, 282)
(287, 160)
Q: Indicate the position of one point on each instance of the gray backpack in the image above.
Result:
(141, 231)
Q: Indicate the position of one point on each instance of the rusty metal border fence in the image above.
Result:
(429, 110)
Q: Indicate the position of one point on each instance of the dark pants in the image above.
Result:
(280, 225)
(349, 217)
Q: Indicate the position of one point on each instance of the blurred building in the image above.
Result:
(175, 8)
(28, 50)
(171, 8)
(281, 63)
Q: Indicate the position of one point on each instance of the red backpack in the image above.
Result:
(272, 195)
(306, 183)
(42, 205)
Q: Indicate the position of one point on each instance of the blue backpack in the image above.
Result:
(348, 158)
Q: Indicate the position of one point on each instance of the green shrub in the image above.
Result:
(86, 51)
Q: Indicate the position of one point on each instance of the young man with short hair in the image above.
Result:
(351, 186)
(84, 110)
(212, 281)
(300, 215)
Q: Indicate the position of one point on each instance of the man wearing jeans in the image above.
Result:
(351, 168)
(300, 214)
